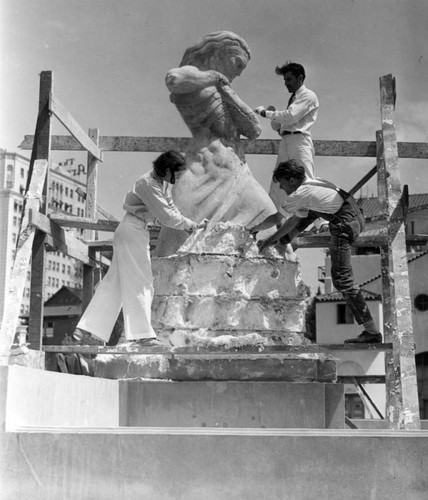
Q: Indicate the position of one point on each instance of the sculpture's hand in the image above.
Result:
(222, 80)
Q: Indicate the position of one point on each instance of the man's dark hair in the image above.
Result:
(288, 169)
(295, 68)
(172, 159)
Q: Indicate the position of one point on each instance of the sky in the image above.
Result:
(109, 60)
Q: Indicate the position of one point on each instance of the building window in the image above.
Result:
(9, 177)
(344, 315)
(22, 173)
(354, 407)
(49, 329)
(422, 378)
(421, 302)
(66, 191)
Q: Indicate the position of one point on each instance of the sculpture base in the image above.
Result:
(314, 367)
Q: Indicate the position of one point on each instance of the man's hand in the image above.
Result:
(261, 110)
(203, 224)
(262, 244)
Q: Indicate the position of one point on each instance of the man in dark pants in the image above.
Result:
(307, 200)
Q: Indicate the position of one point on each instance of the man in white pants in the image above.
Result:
(293, 124)
(129, 281)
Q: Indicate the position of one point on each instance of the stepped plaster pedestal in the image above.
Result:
(218, 290)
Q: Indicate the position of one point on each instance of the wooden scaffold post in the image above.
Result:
(402, 407)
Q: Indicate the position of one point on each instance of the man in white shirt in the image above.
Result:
(294, 123)
(129, 281)
(306, 200)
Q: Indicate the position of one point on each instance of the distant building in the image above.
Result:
(334, 323)
(61, 315)
(61, 270)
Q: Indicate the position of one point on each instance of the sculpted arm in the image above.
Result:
(189, 79)
(243, 116)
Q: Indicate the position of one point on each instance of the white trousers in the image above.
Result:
(128, 284)
(293, 147)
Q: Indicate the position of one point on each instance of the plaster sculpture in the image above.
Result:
(218, 184)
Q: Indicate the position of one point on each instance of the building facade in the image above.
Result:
(64, 178)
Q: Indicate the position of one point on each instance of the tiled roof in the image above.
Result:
(371, 206)
(338, 297)
(66, 293)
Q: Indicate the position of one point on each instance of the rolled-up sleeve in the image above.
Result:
(163, 209)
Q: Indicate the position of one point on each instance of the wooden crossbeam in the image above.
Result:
(260, 146)
(321, 240)
(86, 143)
(84, 223)
(59, 239)
(22, 258)
(214, 351)
(376, 239)
(363, 379)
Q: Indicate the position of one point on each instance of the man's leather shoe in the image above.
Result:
(366, 338)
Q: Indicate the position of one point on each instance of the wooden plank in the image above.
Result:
(22, 259)
(401, 394)
(363, 379)
(417, 150)
(84, 223)
(214, 351)
(61, 240)
(364, 180)
(42, 151)
(89, 277)
(366, 396)
(367, 407)
(322, 240)
(100, 245)
(73, 127)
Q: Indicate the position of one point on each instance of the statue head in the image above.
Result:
(223, 51)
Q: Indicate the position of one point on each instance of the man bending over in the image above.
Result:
(307, 200)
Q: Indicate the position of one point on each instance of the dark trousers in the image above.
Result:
(345, 227)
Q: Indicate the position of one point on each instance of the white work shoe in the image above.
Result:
(133, 345)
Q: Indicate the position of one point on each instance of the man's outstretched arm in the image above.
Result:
(287, 228)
